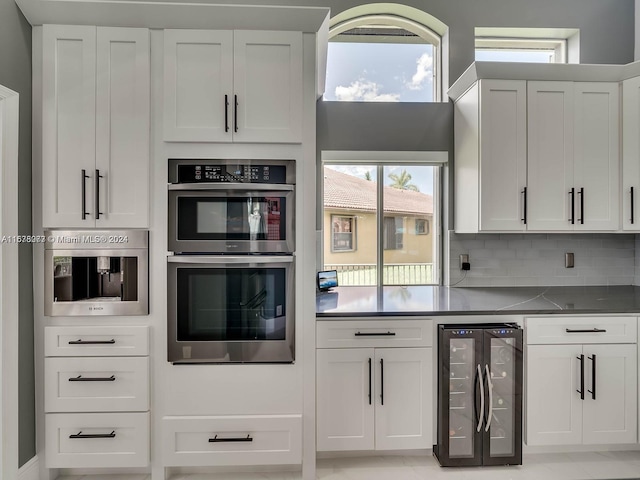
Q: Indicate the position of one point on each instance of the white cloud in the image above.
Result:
(364, 90)
(424, 70)
(354, 170)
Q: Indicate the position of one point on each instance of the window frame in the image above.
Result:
(425, 229)
(557, 46)
(389, 20)
(354, 244)
(390, 158)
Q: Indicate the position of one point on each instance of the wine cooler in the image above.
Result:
(479, 395)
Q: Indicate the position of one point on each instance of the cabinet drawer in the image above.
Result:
(96, 341)
(96, 384)
(555, 330)
(232, 440)
(87, 440)
(374, 333)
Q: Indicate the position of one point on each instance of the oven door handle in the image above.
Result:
(259, 187)
(230, 259)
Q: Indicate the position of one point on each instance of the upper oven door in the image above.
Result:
(231, 218)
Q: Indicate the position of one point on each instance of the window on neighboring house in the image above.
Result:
(422, 226)
(393, 230)
(383, 58)
(343, 231)
(395, 205)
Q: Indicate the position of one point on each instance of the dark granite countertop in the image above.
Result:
(433, 300)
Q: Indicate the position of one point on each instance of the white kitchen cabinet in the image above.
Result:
(403, 412)
(232, 86)
(232, 440)
(573, 156)
(537, 156)
(606, 373)
(95, 127)
(374, 399)
(374, 384)
(550, 155)
(490, 125)
(345, 399)
(96, 407)
(630, 154)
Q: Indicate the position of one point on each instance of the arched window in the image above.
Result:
(384, 53)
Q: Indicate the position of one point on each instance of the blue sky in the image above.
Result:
(382, 72)
(421, 175)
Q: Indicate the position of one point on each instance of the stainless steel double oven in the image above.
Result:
(231, 261)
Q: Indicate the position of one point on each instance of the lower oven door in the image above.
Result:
(225, 309)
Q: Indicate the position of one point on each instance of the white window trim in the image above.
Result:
(419, 29)
(557, 45)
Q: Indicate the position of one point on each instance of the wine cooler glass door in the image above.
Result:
(503, 382)
(461, 402)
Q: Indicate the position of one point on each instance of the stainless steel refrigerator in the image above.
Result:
(479, 395)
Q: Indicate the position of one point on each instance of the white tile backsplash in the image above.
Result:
(538, 259)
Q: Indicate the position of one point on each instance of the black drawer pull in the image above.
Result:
(94, 435)
(375, 334)
(80, 378)
(215, 439)
(92, 342)
(593, 330)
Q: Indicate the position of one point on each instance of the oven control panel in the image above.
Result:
(275, 174)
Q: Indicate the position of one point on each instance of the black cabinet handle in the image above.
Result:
(226, 113)
(632, 205)
(98, 177)
(92, 342)
(572, 192)
(80, 378)
(581, 391)
(235, 113)
(94, 435)
(593, 377)
(369, 381)
(84, 194)
(593, 330)
(374, 334)
(215, 439)
(524, 217)
(581, 193)
(381, 381)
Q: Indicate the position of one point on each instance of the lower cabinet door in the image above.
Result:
(87, 440)
(610, 404)
(403, 409)
(345, 399)
(232, 440)
(553, 406)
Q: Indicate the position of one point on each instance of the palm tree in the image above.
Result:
(401, 181)
(367, 176)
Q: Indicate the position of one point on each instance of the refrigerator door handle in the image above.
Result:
(480, 420)
(489, 417)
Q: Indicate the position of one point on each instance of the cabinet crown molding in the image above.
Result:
(174, 14)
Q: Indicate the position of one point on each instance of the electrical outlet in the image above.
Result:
(464, 262)
(568, 260)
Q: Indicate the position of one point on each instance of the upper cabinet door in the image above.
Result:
(68, 125)
(631, 154)
(550, 156)
(122, 128)
(596, 155)
(198, 85)
(267, 86)
(503, 154)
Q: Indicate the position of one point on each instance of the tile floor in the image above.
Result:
(558, 466)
